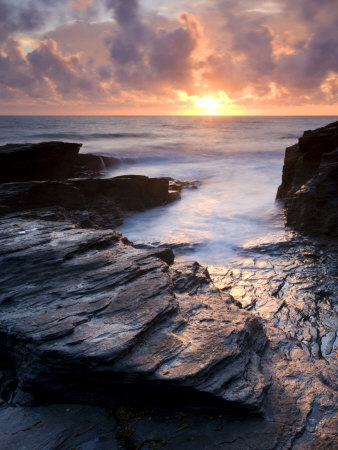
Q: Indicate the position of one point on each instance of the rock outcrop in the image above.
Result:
(87, 202)
(87, 317)
(309, 186)
(48, 161)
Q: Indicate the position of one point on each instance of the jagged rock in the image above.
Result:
(88, 202)
(48, 161)
(86, 317)
(309, 185)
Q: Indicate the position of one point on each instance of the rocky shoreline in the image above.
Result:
(309, 183)
(105, 345)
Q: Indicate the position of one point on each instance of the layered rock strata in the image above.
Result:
(87, 202)
(83, 313)
(310, 182)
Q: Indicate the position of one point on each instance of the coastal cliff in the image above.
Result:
(310, 182)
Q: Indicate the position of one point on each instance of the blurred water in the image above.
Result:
(238, 159)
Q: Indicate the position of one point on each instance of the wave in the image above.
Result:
(91, 136)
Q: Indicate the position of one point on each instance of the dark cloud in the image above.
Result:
(311, 63)
(148, 57)
(16, 74)
(44, 73)
(66, 73)
(126, 11)
(105, 71)
(23, 17)
(20, 16)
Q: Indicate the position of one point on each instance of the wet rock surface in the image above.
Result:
(48, 161)
(83, 313)
(292, 285)
(87, 318)
(309, 186)
(104, 345)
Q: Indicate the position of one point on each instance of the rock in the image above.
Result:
(292, 285)
(57, 426)
(87, 202)
(178, 185)
(309, 185)
(48, 161)
(88, 318)
(88, 164)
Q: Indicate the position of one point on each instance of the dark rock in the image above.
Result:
(165, 254)
(86, 317)
(309, 186)
(88, 164)
(43, 161)
(87, 202)
(57, 426)
(48, 161)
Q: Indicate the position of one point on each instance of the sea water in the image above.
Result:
(238, 161)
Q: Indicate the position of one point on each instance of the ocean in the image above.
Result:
(238, 161)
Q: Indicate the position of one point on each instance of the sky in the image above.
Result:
(159, 57)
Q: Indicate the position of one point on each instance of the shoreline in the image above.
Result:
(264, 361)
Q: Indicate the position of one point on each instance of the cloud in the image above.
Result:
(291, 45)
(46, 73)
(18, 17)
(311, 63)
(256, 51)
(66, 73)
(145, 56)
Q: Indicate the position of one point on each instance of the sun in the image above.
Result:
(208, 104)
(212, 104)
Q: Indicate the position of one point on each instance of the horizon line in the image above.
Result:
(169, 115)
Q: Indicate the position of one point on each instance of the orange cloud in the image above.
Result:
(219, 56)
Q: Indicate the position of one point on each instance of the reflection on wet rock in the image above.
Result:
(292, 285)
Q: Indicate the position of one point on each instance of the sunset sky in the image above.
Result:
(169, 57)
